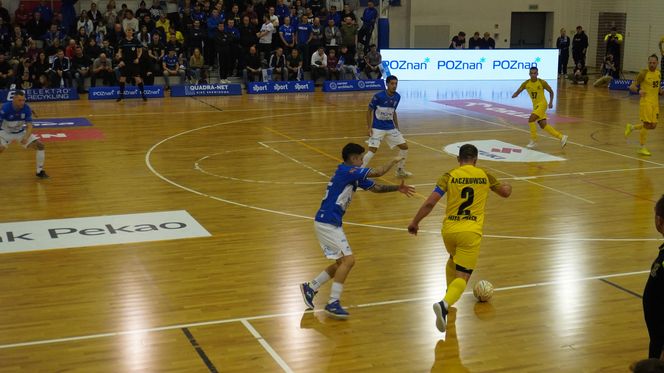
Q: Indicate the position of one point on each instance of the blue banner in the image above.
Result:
(60, 122)
(353, 85)
(105, 93)
(42, 94)
(280, 87)
(623, 85)
(206, 90)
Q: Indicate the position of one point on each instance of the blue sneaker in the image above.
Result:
(441, 316)
(335, 311)
(308, 294)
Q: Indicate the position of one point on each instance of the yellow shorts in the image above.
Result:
(648, 112)
(463, 247)
(540, 111)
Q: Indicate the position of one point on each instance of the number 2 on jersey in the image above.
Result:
(469, 194)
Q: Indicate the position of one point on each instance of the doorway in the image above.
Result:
(528, 30)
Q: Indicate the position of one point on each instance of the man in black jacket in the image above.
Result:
(562, 44)
(579, 46)
(61, 70)
(653, 294)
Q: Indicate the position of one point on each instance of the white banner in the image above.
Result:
(98, 230)
(496, 150)
(469, 64)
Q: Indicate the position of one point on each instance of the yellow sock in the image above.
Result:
(637, 126)
(552, 131)
(533, 130)
(643, 135)
(454, 291)
(450, 271)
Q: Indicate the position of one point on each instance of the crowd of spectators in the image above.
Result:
(184, 40)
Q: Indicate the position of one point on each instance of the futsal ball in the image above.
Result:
(483, 290)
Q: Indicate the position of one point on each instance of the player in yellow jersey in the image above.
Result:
(647, 84)
(467, 188)
(536, 88)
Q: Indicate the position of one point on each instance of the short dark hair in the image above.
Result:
(467, 152)
(21, 93)
(461, 33)
(654, 56)
(534, 68)
(391, 78)
(351, 149)
(659, 206)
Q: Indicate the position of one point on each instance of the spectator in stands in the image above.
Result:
(459, 41)
(253, 71)
(92, 49)
(22, 15)
(247, 39)
(17, 52)
(155, 55)
(281, 11)
(488, 42)
(278, 65)
(294, 65)
(317, 36)
(156, 10)
(223, 42)
(235, 15)
(562, 43)
(148, 22)
(613, 42)
(369, 20)
(111, 16)
(51, 50)
(333, 68)
(348, 12)
(129, 21)
(116, 35)
(163, 23)
(81, 39)
(318, 64)
(81, 67)
(172, 12)
(32, 51)
(303, 39)
(142, 11)
(197, 71)
(475, 42)
(171, 66)
(287, 35)
(52, 34)
(68, 13)
(373, 59)
(41, 68)
(37, 27)
(347, 64)
(608, 72)
(580, 74)
(265, 38)
(195, 38)
(5, 37)
(6, 72)
(61, 70)
(579, 46)
(332, 35)
(349, 34)
(85, 23)
(235, 46)
(20, 33)
(316, 6)
(249, 12)
(24, 78)
(144, 36)
(94, 14)
(4, 14)
(107, 49)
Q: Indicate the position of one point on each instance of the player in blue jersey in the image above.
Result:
(382, 123)
(348, 176)
(16, 126)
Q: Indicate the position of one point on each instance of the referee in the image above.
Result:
(653, 294)
(129, 53)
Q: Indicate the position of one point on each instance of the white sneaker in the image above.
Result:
(563, 141)
(531, 144)
(402, 173)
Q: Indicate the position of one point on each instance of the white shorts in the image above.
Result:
(332, 240)
(7, 138)
(393, 138)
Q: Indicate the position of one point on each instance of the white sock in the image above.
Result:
(41, 155)
(320, 280)
(367, 158)
(335, 294)
(403, 154)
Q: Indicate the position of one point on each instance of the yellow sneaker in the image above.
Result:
(644, 151)
(628, 129)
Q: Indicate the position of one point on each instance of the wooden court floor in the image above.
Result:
(568, 253)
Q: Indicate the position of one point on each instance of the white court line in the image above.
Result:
(266, 346)
(514, 177)
(283, 213)
(526, 131)
(364, 137)
(295, 160)
(244, 320)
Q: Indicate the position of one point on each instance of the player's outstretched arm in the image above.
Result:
(503, 190)
(382, 170)
(408, 190)
(424, 210)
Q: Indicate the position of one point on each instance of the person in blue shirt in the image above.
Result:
(287, 35)
(16, 126)
(369, 18)
(327, 223)
(303, 39)
(382, 123)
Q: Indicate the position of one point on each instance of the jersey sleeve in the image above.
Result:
(523, 85)
(493, 181)
(545, 85)
(441, 184)
(366, 184)
(374, 102)
(641, 77)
